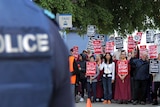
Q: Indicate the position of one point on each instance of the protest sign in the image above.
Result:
(152, 51)
(97, 47)
(118, 42)
(109, 47)
(90, 68)
(123, 67)
(131, 44)
(154, 66)
(142, 50)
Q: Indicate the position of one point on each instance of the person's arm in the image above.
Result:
(113, 72)
(132, 63)
(61, 77)
(75, 67)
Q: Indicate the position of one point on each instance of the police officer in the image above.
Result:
(33, 58)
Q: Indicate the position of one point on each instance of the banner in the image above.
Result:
(90, 68)
(131, 44)
(154, 66)
(118, 42)
(97, 45)
(123, 67)
(153, 54)
(110, 47)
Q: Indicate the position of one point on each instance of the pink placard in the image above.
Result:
(90, 68)
(122, 67)
(152, 51)
(97, 47)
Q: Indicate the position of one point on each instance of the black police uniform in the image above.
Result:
(33, 58)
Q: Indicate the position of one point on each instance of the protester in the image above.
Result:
(108, 77)
(89, 53)
(92, 81)
(122, 78)
(84, 54)
(113, 84)
(156, 80)
(141, 77)
(132, 73)
(129, 55)
(73, 67)
(122, 83)
(82, 71)
(99, 88)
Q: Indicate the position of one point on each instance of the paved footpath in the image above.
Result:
(83, 104)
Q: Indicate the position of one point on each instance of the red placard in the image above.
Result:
(142, 50)
(131, 44)
(97, 47)
(90, 68)
(75, 52)
(110, 47)
(140, 35)
(123, 67)
(152, 51)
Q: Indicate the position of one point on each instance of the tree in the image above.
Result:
(124, 16)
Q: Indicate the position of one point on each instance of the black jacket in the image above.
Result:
(141, 69)
(82, 72)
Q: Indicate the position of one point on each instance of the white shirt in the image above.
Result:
(108, 69)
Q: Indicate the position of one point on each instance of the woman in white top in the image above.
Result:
(108, 77)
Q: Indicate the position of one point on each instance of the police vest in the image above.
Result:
(25, 67)
(13, 42)
(26, 55)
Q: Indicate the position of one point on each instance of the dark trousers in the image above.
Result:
(91, 87)
(149, 90)
(83, 83)
(156, 86)
(140, 90)
(107, 87)
(132, 88)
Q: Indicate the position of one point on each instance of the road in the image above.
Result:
(113, 104)
(83, 104)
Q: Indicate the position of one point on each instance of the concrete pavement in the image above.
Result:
(113, 104)
(99, 104)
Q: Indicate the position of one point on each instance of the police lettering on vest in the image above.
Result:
(29, 43)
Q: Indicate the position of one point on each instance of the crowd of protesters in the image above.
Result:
(137, 86)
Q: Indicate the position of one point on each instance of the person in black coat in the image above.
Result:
(82, 71)
(140, 76)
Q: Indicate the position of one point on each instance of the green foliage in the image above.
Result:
(124, 16)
